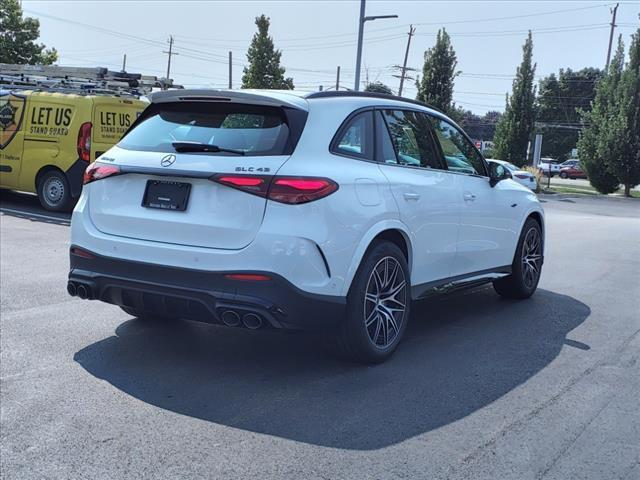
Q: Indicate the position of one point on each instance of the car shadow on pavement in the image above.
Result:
(460, 354)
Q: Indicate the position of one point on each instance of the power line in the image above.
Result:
(404, 26)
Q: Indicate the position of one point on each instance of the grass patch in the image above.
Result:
(578, 190)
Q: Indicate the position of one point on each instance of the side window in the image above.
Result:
(357, 138)
(460, 155)
(386, 153)
(411, 138)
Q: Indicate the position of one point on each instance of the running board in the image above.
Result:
(458, 283)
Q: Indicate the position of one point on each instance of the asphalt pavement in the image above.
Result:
(481, 387)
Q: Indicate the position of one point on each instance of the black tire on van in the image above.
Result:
(54, 192)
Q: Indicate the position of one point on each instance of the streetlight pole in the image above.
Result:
(361, 23)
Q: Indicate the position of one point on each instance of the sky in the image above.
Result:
(316, 36)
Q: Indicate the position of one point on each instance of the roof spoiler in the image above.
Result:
(267, 98)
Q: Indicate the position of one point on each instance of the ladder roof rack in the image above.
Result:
(79, 80)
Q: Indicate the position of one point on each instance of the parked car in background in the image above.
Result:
(569, 163)
(573, 172)
(549, 166)
(523, 177)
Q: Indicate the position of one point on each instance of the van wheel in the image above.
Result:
(378, 307)
(54, 192)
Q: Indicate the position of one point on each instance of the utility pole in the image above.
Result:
(613, 26)
(230, 71)
(406, 56)
(361, 23)
(170, 52)
(338, 78)
(124, 63)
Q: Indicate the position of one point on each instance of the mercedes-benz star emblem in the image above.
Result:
(168, 160)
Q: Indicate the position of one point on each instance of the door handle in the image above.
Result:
(411, 196)
(469, 197)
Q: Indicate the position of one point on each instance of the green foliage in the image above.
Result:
(438, 74)
(378, 87)
(608, 146)
(264, 70)
(623, 132)
(559, 101)
(18, 36)
(514, 129)
(479, 127)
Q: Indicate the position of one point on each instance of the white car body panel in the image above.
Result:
(230, 230)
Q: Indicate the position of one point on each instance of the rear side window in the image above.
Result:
(254, 130)
(411, 138)
(356, 138)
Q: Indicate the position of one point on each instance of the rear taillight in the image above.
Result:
(522, 176)
(290, 190)
(98, 171)
(258, 185)
(296, 190)
(84, 142)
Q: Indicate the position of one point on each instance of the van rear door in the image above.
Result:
(112, 117)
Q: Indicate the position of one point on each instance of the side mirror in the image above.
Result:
(497, 173)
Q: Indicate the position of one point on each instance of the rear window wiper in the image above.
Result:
(203, 147)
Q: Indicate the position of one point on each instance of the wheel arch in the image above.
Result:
(538, 217)
(393, 231)
(42, 171)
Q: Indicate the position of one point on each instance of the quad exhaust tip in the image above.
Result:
(252, 321)
(80, 290)
(230, 318)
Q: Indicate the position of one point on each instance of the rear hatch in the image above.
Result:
(164, 192)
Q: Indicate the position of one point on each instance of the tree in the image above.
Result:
(378, 87)
(18, 36)
(438, 74)
(479, 127)
(513, 131)
(623, 132)
(264, 70)
(559, 102)
(596, 145)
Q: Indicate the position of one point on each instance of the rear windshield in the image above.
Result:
(255, 130)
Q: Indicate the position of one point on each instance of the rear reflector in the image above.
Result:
(81, 253)
(251, 277)
(291, 190)
(98, 171)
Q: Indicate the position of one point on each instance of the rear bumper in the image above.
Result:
(202, 295)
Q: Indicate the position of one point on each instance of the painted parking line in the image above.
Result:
(35, 216)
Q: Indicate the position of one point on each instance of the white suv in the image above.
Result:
(288, 210)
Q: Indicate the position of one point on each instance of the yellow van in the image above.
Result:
(48, 139)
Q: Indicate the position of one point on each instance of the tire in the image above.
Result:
(54, 192)
(148, 317)
(527, 264)
(564, 175)
(378, 307)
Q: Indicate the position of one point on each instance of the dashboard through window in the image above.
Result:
(459, 153)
